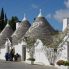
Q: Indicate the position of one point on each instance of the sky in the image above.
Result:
(53, 10)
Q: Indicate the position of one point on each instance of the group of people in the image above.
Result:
(11, 56)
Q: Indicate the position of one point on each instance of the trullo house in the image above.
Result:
(4, 35)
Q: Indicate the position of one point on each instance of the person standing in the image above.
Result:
(12, 53)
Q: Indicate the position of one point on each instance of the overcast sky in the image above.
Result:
(53, 10)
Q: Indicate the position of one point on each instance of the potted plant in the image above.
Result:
(60, 62)
(32, 60)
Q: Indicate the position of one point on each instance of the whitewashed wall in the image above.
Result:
(40, 56)
(18, 49)
(2, 53)
(39, 53)
(62, 56)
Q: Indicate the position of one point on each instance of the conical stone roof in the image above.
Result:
(24, 26)
(6, 33)
(41, 29)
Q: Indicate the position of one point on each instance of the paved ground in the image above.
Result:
(21, 65)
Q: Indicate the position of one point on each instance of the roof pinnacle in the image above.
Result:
(7, 25)
(40, 13)
(24, 18)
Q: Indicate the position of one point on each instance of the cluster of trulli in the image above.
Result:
(40, 29)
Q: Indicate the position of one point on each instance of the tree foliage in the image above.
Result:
(13, 21)
(2, 19)
(6, 19)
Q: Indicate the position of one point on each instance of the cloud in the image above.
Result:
(35, 6)
(61, 13)
(49, 16)
(67, 3)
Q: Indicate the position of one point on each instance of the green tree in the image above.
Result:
(2, 14)
(5, 21)
(13, 21)
(2, 25)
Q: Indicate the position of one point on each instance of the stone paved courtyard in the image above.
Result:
(22, 65)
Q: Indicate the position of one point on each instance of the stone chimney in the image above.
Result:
(17, 24)
(65, 23)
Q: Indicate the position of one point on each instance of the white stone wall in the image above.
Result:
(2, 53)
(62, 54)
(39, 53)
(18, 49)
(40, 56)
(4, 50)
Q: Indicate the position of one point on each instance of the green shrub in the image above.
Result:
(66, 63)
